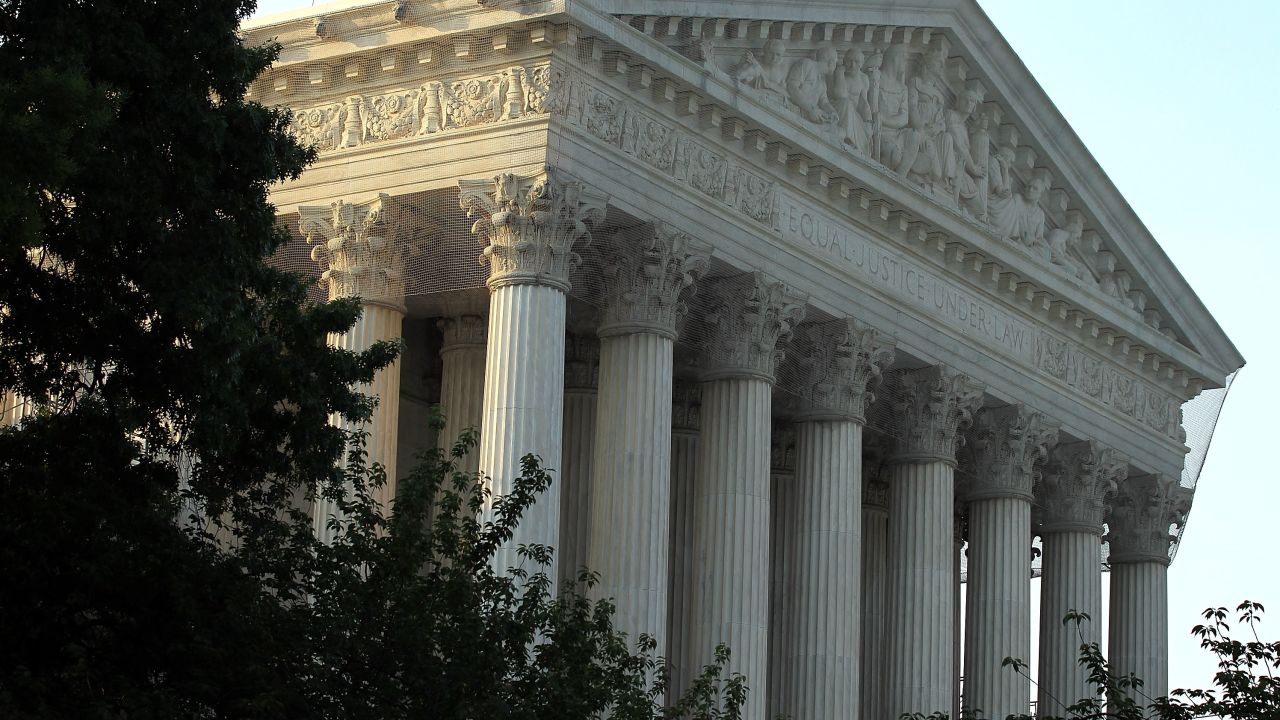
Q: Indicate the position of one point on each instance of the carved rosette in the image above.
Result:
(839, 360)
(648, 279)
(581, 361)
(1009, 443)
(463, 330)
(932, 405)
(753, 315)
(1074, 486)
(1143, 513)
(350, 241)
(686, 407)
(531, 226)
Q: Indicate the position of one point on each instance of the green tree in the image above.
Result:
(158, 561)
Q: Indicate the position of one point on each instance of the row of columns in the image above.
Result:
(676, 515)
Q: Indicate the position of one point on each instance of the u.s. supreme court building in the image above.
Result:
(820, 312)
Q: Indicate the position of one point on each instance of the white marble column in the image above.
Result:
(351, 242)
(731, 503)
(875, 566)
(462, 381)
(838, 360)
(782, 517)
(647, 272)
(1075, 482)
(529, 227)
(686, 410)
(931, 405)
(957, 587)
(1142, 513)
(1008, 443)
(581, 373)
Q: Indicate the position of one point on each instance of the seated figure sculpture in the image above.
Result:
(807, 86)
(849, 91)
(768, 74)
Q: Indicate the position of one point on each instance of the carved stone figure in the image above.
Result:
(921, 157)
(1025, 223)
(889, 104)
(850, 91)
(1000, 200)
(961, 174)
(1064, 244)
(767, 74)
(980, 155)
(807, 84)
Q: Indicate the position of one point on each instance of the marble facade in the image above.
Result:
(798, 299)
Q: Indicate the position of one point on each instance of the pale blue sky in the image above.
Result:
(1179, 101)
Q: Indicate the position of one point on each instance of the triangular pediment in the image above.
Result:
(934, 96)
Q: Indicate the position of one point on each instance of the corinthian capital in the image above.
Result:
(351, 243)
(1008, 444)
(581, 361)
(932, 405)
(686, 407)
(1143, 511)
(1074, 486)
(530, 226)
(647, 276)
(463, 331)
(752, 315)
(837, 361)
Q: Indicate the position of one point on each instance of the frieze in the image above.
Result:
(818, 235)
(433, 107)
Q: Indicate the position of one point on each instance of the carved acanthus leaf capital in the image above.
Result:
(581, 361)
(932, 405)
(351, 242)
(1009, 443)
(839, 360)
(648, 277)
(782, 450)
(752, 317)
(463, 331)
(1074, 486)
(1142, 514)
(531, 226)
(686, 407)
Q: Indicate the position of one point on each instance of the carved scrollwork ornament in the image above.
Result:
(1009, 444)
(351, 242)
(752, 317)
(648, 280)
(531, 226)
(1143, 513)
(1074, 486)
(931, 406)
(839, 361)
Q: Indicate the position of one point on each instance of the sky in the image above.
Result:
(1179, 101)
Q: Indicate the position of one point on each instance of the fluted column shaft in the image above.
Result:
(731, 529)
(782, 517)
(462, 384)
(875, 567)
(575, 480)
(921, 619)
(631, 483)
(377, 323)
(684, 461)
(523, 406)
(998, 607)
(1138, 627)
(1071, 580)
(821, 652)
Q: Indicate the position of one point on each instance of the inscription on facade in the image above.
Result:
(906, 280)
(818, 235)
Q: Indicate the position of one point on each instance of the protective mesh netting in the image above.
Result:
(441, 272)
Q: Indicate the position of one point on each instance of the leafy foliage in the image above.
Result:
(159, 560)
(1246, 686)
